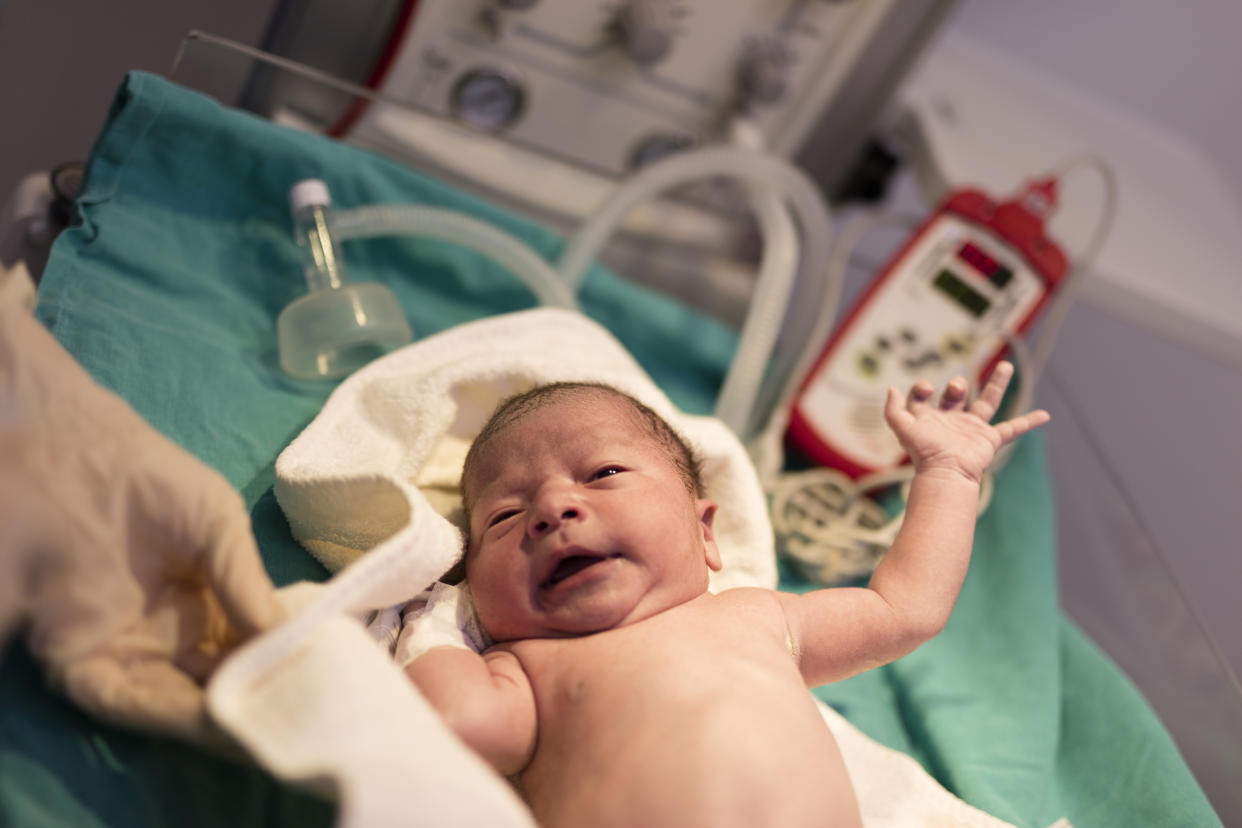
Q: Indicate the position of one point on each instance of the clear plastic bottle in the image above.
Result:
(338, 327)
(309, 203)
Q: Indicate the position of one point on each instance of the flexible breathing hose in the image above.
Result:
(742, 405)
(778, 273)
(739, 403)
(457, 228)
(738, 400)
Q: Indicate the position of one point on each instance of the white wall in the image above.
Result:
(1164, 414)
(1178, 64)
(1143, 448)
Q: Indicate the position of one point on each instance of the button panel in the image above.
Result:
(942, 312)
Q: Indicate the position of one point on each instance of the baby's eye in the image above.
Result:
(501, 517)
(607, 471)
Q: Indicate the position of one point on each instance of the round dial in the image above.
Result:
(488, 99)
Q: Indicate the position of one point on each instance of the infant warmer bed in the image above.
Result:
(167, 291)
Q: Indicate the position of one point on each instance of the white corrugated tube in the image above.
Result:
(744, 404)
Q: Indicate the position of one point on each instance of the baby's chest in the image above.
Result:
(670, 666)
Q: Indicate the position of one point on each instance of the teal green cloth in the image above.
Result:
(1010, 707)
(168, 291)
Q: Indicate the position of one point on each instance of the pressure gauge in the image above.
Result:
(488, 99)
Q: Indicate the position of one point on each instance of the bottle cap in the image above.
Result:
(309, 193)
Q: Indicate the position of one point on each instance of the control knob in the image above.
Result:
(763, 74)
(647, 27)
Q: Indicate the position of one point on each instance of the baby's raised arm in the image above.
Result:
(841, 632)
(485, 699)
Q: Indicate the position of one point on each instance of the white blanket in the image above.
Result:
(318, 701)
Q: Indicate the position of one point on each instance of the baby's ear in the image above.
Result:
(706, 510)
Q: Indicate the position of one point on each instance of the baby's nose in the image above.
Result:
(550, 521)
(555, 505)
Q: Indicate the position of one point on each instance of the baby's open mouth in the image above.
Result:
(572, 565)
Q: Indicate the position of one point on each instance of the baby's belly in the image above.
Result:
(747, 749)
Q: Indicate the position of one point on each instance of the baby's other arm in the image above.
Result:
(486, 700)
(841, 632)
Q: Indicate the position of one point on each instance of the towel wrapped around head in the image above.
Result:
(381, 464)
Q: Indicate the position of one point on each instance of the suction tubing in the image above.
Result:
(457, 228)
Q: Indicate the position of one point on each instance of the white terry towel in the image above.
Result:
(370, 489)
(391, 440)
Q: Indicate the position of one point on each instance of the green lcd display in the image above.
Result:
(948, 283)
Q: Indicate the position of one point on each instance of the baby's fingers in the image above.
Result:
(993, 392)
(954, 394)
(895, 412)
(1013, 429)
(920, 395)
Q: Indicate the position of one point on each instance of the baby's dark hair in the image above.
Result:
(515, 408)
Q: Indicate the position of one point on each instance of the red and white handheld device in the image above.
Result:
(973, 273)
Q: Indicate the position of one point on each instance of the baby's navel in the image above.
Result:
(576, 691)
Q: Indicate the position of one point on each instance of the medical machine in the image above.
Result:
(972, 283)
(975, 276)
(557, 109)
(562, 98)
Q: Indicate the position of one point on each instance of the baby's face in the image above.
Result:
(580, 522)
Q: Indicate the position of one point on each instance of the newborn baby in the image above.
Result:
(620, 690)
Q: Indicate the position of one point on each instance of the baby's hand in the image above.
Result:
(953, 436)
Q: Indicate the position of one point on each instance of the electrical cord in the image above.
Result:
(1083, 263)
